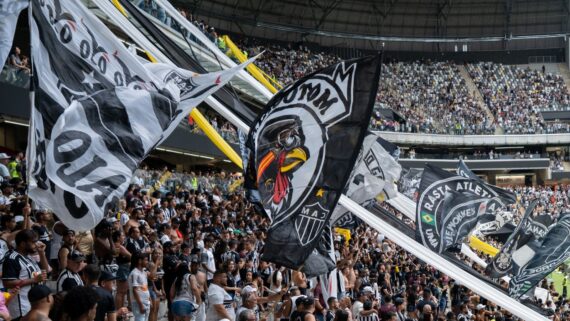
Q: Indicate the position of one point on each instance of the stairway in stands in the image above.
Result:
(475, 91)
(565, 73)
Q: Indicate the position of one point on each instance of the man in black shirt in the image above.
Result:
(106, 305)
(170, 263)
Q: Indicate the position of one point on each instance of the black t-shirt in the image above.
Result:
(134, 246)
(106, 303)
(169, 263)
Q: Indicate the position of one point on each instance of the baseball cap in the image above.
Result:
(76, 256)
(38, 292)
(69, 231)
(480, 306)
(248, 289)
(194, 258)
(107, 276)
(367, 289)
(4, 156)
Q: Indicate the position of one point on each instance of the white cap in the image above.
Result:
(480, 306)
(4, 156)
(368, 289)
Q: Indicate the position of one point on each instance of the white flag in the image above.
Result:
(9, 12)
(374, 173)
(97, 111)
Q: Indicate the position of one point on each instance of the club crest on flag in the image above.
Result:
(310, 221)
(291, 140)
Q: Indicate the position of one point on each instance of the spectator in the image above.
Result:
(185, 294)
(19, 271)
(220, 303)
(41, 300)
(332, 307)
(106, 303)
(69, 277)
(138, 284)
(18, 61)
(4, 172)
(80, 304)
(370, 314)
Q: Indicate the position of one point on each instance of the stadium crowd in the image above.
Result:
(518, 95)
(191, 241)
(432, 97)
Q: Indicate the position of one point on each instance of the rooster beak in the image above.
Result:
(293, 159)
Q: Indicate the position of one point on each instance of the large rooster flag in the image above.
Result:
(303, 149)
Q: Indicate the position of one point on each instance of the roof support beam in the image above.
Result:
(443, 10)
(326, 12)
(508, 12)
(566, 20)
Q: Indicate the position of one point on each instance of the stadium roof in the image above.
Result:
(418, 21)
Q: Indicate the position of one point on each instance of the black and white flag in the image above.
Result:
(97, 111)
(461, 211)
(9, 13)
(375, 172)
(463, 170)
(539, 258)
(503, 262)
(303, 149)
(504, 196)
(435, 186)
(409, 182)
(491, 223)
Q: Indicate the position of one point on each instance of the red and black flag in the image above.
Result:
(303, 149)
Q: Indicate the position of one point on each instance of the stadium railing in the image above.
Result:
(475, 140)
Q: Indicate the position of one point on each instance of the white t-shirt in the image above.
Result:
(211, 264)
(357, 307)
(56, 241)
(4, 172)
(124, 218)
(217, 295)
(138, 278)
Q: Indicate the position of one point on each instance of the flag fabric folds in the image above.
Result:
(434, 192)
(97, 111)
(184, 60)
(303, 149)
(375, 171)
(376, 166)
(9, 13)
(461, 211)
(503, 262)
(504, 195)
(539, 258)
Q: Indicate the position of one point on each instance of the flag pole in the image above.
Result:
(434, 259)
